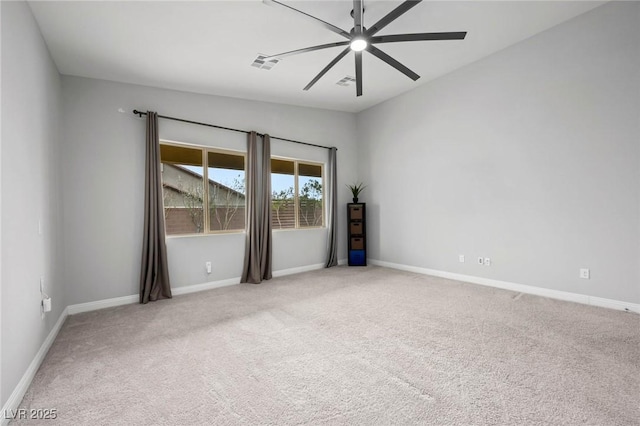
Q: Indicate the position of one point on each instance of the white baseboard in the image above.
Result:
(16, 396)
(291, 271)
(614, 304)
(101, 304)
(205, 286)
(134, 298)
(521, 288)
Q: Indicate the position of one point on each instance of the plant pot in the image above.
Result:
(355, 199)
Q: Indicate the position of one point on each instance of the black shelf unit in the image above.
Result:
(357, 233)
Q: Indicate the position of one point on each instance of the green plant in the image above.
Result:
(356, 189)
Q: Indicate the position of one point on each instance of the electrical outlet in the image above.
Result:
(584, 273)
(461, 258)
(487, 261)
(208, 266)
(481, 261)
(46, 304)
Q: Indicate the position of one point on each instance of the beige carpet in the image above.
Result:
(345, 346)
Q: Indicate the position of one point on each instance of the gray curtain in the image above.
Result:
(154, 274)
(257, 254)
(265, 231)
(332, 247)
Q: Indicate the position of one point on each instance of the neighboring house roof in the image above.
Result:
(198, 176)
(174, 188)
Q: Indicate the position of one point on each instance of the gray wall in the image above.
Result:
(31, 100)
(103, 181)
(530, 157)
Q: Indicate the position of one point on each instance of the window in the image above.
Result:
(297, 194)
(185, 193)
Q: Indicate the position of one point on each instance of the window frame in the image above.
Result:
(205, 150)
(296, 195)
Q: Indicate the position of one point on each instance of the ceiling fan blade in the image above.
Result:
(392, 16)
(389, 60)
(306, 49)
(358, 11)
(418, 37)
(358, 73)
(327, 25)
(327, 68)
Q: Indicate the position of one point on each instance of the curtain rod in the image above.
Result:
(140, 113)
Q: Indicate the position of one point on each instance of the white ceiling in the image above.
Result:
(208, 46)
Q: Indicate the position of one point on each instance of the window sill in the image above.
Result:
(310, 228)
(209, 234)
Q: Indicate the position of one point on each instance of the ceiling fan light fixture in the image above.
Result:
(358, 44)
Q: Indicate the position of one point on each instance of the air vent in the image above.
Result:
(259, 62)
(346, 81)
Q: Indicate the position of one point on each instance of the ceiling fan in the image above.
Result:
(361, 39)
